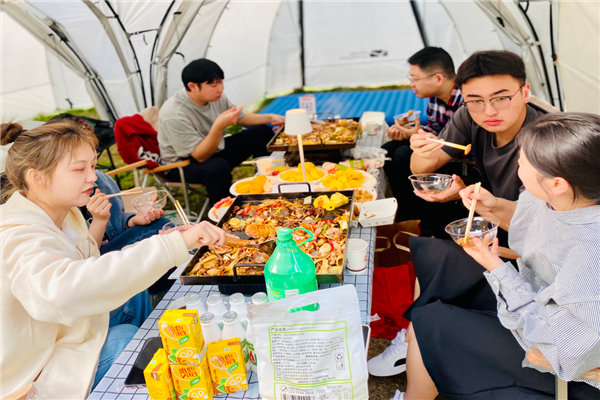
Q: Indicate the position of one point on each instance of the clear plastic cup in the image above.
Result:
(156, 200)
(408, 118)
(482, 228)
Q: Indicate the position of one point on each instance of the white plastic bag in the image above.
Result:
(310, 347)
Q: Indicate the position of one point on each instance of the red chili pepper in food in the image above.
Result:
(246, 211)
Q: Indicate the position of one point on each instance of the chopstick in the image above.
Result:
(181, 213)
(472, 212)
(135, 190)
(254, 162)
(466, 148)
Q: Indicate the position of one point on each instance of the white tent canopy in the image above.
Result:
(129, 54)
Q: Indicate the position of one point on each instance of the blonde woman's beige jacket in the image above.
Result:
(57, 295)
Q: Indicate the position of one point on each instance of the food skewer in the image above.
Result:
(466, 148)
(181, 213)
(301, 150)
(471, 213)
(135, 190)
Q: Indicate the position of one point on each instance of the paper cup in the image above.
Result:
(372, 128)
(264, 166)
(356, 256)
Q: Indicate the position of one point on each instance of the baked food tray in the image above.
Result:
(272, 146)
(236, 278)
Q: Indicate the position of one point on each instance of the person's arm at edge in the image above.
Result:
(209, 145)
(251, 119)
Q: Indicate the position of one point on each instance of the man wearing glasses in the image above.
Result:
(495, 109)
(432, 75)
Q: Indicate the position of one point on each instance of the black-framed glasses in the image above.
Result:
(499, 103)
(411, 79)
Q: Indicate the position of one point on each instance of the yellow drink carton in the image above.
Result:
(181, 336)
(158, 377)
(192, 381)
(227, 366)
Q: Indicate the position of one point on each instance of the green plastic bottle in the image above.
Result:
(289, 271)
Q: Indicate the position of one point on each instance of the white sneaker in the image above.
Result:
(393, 359)
(398, 396)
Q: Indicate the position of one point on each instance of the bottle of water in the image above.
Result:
(210, 329)
(216, 307)
(232, 328)
(258, 298)
(194, 302)
(289, 271)
(237, 303)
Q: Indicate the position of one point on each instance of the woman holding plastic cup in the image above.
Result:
(471, 342)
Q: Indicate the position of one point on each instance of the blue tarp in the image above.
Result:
(353, 104)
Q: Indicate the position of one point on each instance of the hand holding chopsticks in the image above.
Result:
(467, 148)
(135, 190)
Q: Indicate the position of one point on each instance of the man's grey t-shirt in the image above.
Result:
(182, 124)
(497, 165)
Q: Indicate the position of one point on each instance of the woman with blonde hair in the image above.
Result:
(57, 291)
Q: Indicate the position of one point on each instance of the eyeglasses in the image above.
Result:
(413, 80)
(499, 103)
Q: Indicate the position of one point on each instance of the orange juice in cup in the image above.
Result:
(193, 381)
(158, 377)
(181, 335)
(227, 366)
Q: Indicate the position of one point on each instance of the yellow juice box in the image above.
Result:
(158, 377)
(181, 336)
(227, 366)
(192, 381)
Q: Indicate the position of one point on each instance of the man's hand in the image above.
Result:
(145, 218)
(486, 202)
(450, 194)
(277, 119)
(489, 259)
(228, 118)
(425, 148)
(99, 207)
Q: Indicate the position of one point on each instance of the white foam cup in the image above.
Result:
(264, 166)
(356, 256)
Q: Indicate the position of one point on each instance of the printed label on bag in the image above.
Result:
(290, 293)
(308, 354)
(323, 392)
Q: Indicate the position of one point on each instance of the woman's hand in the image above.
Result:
(99, 207)
(486, 202)
(145, 217)
(203, 234)
(450, 194)
(488, 259)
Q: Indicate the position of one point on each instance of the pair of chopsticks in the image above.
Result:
(254, 162)
(466, 149)
(472, 211)
(135, 190)
(181, 213)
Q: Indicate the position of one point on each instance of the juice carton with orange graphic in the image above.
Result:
(158, 377)
(193, 381)
(181, 335)
(227, 366)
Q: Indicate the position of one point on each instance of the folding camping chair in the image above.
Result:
(148, 123)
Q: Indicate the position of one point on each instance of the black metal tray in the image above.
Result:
(271, 146)
(236, 279)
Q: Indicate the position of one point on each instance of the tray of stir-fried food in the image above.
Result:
(257, 218)
(333, 134)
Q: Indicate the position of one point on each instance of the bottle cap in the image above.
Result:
(214, 299)
(229, 317)
(192, 299)
(284, 234)
(207, 318)
(237, 298)
(259, 298)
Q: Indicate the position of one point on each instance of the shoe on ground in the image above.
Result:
(393, 359)
(398, 396)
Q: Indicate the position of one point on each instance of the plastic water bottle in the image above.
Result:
(194, 302)
(237, 303)
(232, 328)
(289, 271)
(210, 329)
(258, 298)
(216, 307)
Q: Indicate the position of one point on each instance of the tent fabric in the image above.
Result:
(129, 55)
